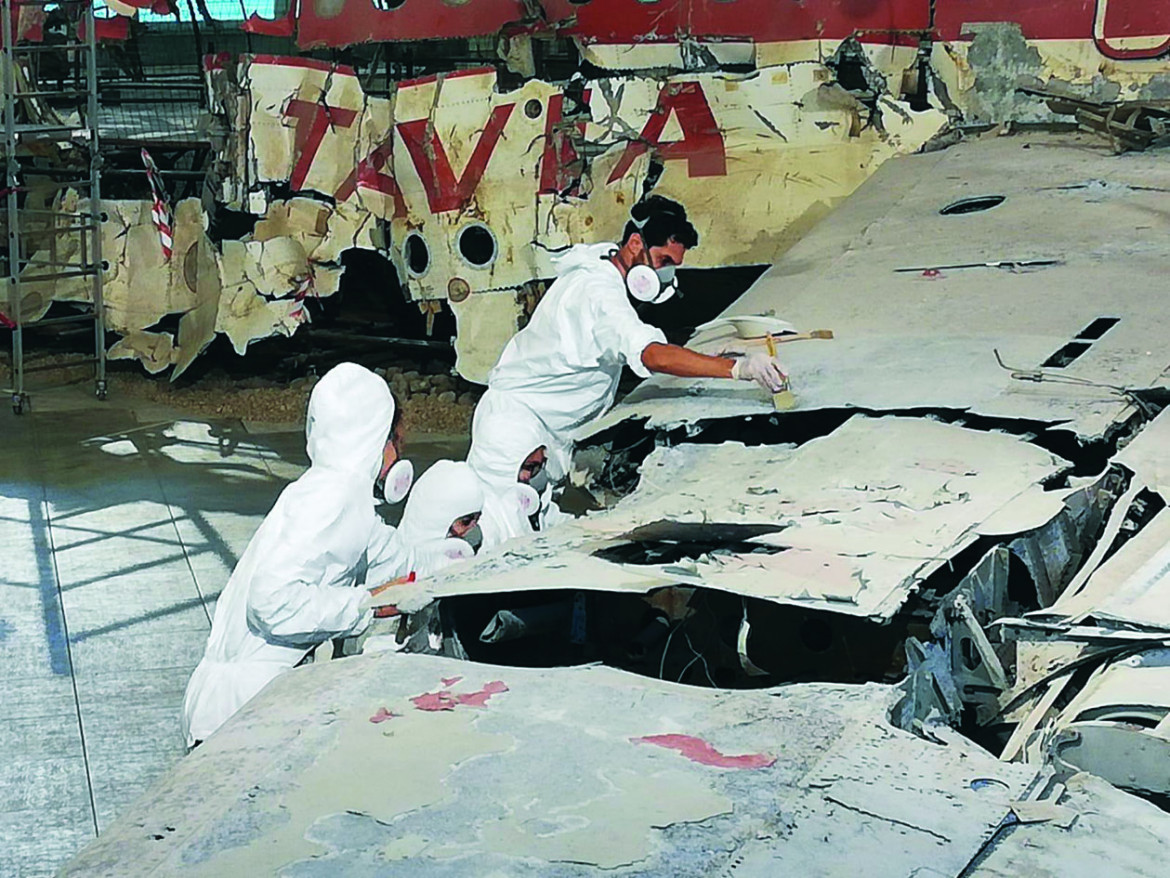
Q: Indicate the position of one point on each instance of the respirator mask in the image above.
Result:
(539, 481)
(473, 537)
(652, 285)
(396, 485)
(647, 283)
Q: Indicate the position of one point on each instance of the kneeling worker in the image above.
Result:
(440, 524)
(293, 588)
(509, 455)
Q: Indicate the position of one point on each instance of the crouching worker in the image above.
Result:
(440, 524)
(510, 455)
(294, 586)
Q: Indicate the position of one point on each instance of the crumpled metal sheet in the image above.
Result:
(532, 171)
(419, 762)
(246, 290)
(861, 517)
(925, 332)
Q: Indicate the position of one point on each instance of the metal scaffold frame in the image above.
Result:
(21, 89)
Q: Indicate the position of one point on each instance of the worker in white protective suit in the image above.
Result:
(440, 524)
(564, 366)
(294, 586)
(509, 454)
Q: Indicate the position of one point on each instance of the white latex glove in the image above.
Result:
(550, 513)
(432, 556)
(762, 369)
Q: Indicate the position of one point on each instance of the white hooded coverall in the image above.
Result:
(293, 588)
(503, 434)
(445, 492)
(565, 365)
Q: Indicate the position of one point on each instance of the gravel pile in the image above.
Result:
(432, 401)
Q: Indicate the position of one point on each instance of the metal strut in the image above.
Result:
(32, 113)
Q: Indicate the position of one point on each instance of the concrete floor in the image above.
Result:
(119, 525)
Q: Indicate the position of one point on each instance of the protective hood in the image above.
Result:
(350, 413)
(445, 492)
(583, 256)
(500, 445)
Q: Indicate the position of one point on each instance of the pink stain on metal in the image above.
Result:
(698, 750)
(434, 701)
(480, 698)
(382, 715)
(445, 699)
(448, 682)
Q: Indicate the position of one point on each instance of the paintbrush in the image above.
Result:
(792, 336)
(783, 399)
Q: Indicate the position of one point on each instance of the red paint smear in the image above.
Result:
(698, 750)
(444, 699)
(480, 698)
(382, 715)
(448, 682)
(434, 701)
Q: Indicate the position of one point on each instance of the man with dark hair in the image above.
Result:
(564, 366)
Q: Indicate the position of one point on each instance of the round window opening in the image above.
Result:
(973, 205)
(477, 245)
(416, 254)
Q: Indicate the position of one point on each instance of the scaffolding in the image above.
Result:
(51, 144)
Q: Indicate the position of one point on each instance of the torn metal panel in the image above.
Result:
(861, 516)
(1147, 456)
(141, 285)
(481, 779)
(1127, 125)
(1129, 586)
(927, 338)
(347, 227)
(303, 125)
(485, 324)
(304, 219)
(155, 350)
(479, 185)
(1118, 726)
(276, 266)
(683, 55)
(1132, 587)
(1103, 51)
(970, 663)
(245, 314)
(466, 158)
(963, 820)
(605, 23)
(1114, 833)
(201, 269)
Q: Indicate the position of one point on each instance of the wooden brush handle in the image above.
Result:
(799, 336)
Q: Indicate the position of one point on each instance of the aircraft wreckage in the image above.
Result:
(459, 183)
(916, 625)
